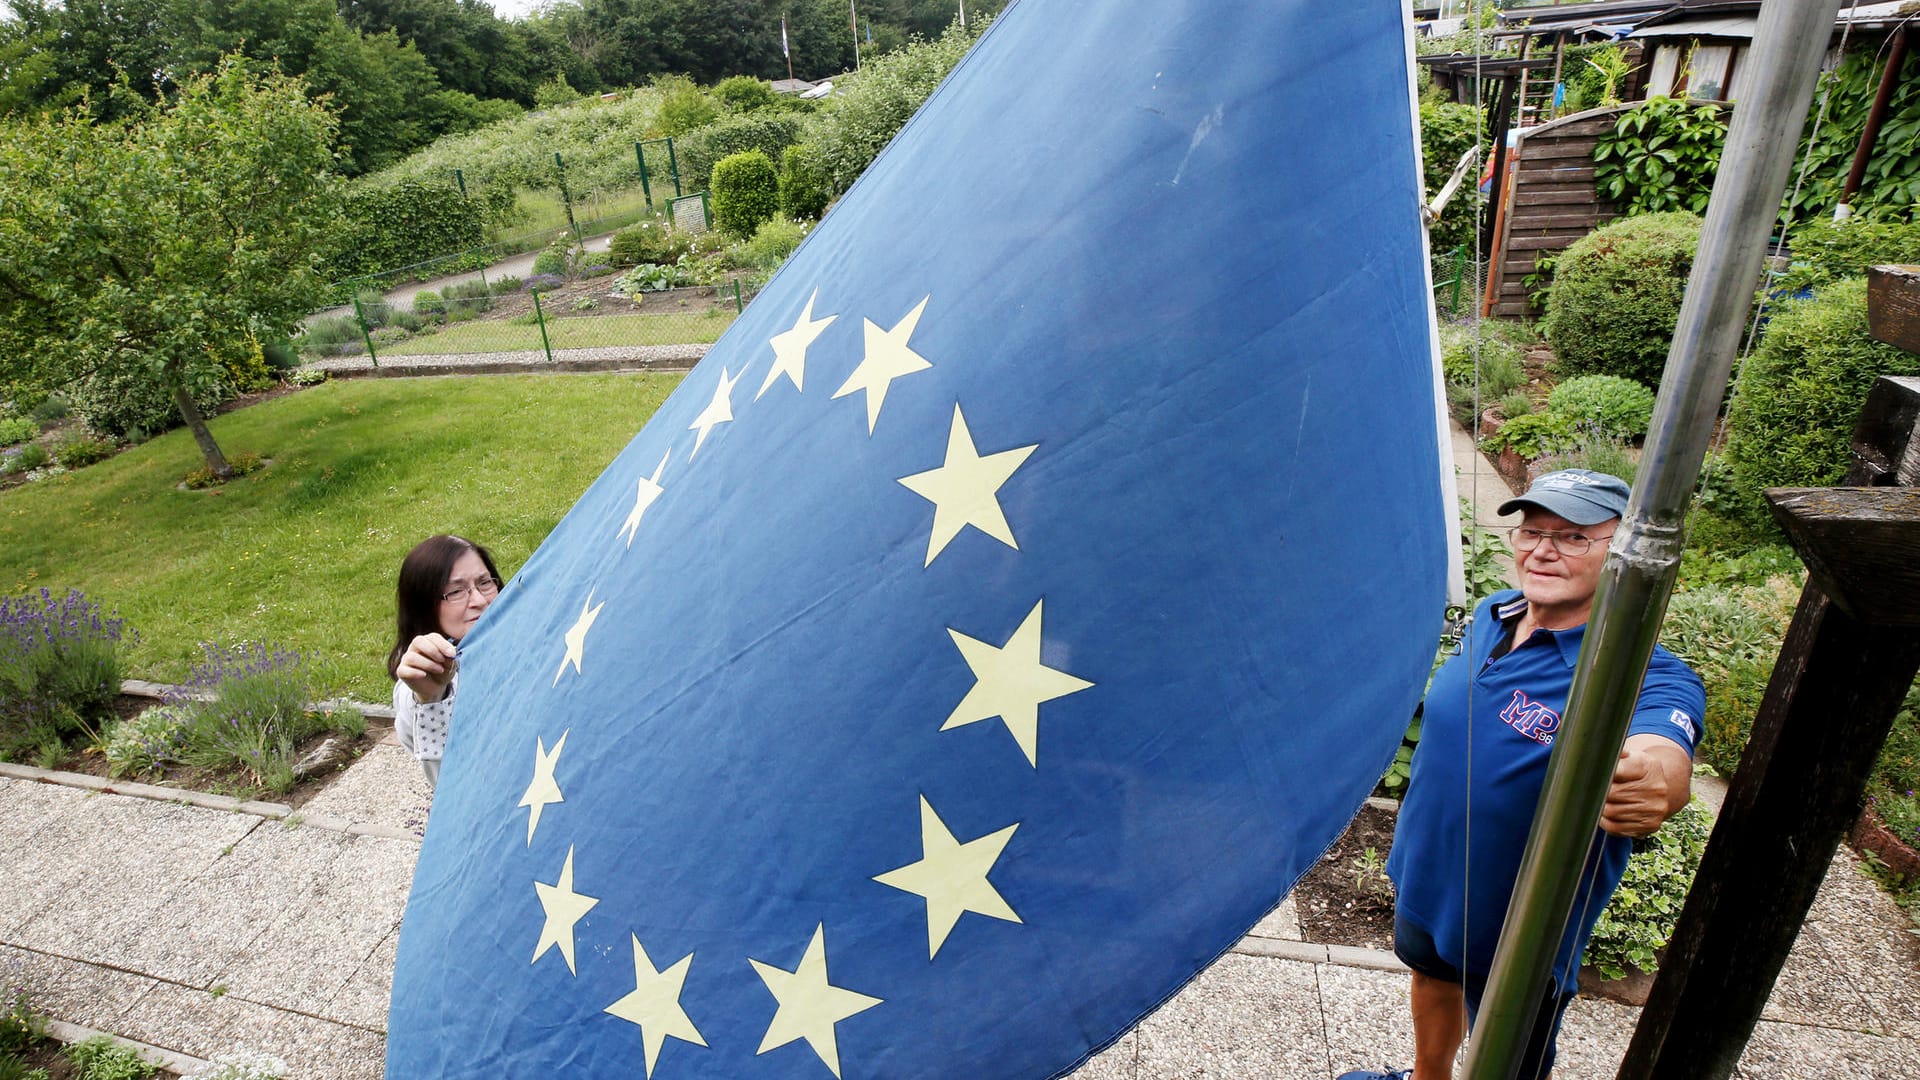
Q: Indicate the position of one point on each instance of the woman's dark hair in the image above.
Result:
(423, 577)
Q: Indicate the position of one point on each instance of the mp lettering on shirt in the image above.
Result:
(1530, 718)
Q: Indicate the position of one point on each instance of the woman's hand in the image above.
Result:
(427, 667)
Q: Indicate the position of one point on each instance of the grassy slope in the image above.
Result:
(304, 553)
(567, 333)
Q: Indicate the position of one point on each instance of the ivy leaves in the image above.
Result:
(1661, 156)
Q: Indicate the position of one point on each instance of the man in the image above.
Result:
(1490, 718)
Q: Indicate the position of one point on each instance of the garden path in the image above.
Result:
(519, 266)
(195, 925)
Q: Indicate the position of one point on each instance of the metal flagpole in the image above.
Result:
(1788, 44)
(853, 17)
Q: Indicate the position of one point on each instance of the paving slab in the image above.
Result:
(209, 920)
(312, 948)
(1869, 946)
(1121, 1061)
(363, 999)
(74, 990)
(1800, 1052)
(1594, 1037)
(1368, 1018)
(385, 787)
(103, 863)
(202, 1024)
(1244, 1016)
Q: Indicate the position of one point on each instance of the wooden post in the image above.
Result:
(1850, 654)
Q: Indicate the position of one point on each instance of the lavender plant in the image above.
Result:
(251, 711)
(60, 669)
(147, 741)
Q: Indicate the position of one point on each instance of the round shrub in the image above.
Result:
(746, 192)
(126, 399)
(1800, 394)
(699, 151)
(429, 302)
(772, 242)
(804, 191)
(744, 93)
(551, 261)
(1616, 296)
(80, 451)
(17, 429)
(1609, 404)
(648, 242)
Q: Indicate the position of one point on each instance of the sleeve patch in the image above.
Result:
(1685, 723)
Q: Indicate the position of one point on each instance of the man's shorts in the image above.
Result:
(1415, 948)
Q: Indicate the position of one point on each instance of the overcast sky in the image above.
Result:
(513, 9)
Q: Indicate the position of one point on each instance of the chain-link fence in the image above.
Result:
(592, 318)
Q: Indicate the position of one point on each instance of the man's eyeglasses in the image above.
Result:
(485, 586)
(1568, 543)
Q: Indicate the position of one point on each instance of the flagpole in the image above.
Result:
(785, 49)
(1788, 44)
(853, 17)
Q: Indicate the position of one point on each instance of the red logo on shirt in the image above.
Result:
(1532, 719)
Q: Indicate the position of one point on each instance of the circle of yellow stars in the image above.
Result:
(1010, 684)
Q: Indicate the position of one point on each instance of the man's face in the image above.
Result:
(1550, 576)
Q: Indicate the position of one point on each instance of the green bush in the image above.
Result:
(699, 151)
(1611, 405)
(553, 260)
(55, 407)
(744, 93)
(1826, 251)
(1729, 634)
(746, 192)
(1515, 403)
(79, 451)
(327, 335)
(387, 226)
(1800, 394)
(476, 291)
(858, 123)
(683, 106)
(1534, 435)
(650, 277)
(17, 430)
(1616, 296)
(649, 242)
(429, 302)
(1639, 920)
(1446, 132)
(129, 398)
(804, 191)
(60, 668)
(1480, 364)
(100, 1058)
(257, 714)
(771, 243)
(1591, 449)
(24, 459)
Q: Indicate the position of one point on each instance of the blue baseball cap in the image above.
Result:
(1582, 496)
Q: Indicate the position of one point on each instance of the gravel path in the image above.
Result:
(603, 358)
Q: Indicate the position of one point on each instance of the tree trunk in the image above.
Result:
(190, 412)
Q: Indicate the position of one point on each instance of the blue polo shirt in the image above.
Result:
(1508, 709)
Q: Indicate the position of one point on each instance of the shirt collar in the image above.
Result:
(1567, 641)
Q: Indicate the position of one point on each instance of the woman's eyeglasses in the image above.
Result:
(485, 586)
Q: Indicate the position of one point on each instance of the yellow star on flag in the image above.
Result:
(1010, 682)
(543, 790)
(718, 411)
(576, 638)
(809, 1006)
(888, 357)
(650, 490)
(952, 876)
(790, 347)
(564, 907)
(654, 1004)
(964, 490)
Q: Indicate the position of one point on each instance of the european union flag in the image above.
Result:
(1013, 604)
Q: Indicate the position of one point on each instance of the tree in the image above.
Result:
(165, 244)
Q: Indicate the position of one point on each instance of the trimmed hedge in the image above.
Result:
(768, 132)
(804, 190)
(1616, 296)
(1800, 395)
(746, 192)
(385, 228)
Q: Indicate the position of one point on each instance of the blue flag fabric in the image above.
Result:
(1011, 606)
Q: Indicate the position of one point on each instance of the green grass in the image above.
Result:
(304, 552)
(582, 332)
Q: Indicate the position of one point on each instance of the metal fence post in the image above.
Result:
(706, 210)
(366, 335)
(738, 304)
(646, 189)
(566, 197)
(541, 318)
(673, 163)
(1459, 274)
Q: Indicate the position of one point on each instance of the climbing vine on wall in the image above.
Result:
(1891, 187)
(1660, 156)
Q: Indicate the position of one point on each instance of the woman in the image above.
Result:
(446, 584)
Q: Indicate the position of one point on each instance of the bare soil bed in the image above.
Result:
(1346, 898)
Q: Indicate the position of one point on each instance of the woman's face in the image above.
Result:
(472, 589)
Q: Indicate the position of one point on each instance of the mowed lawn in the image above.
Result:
(304, 553)
(577, 332)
